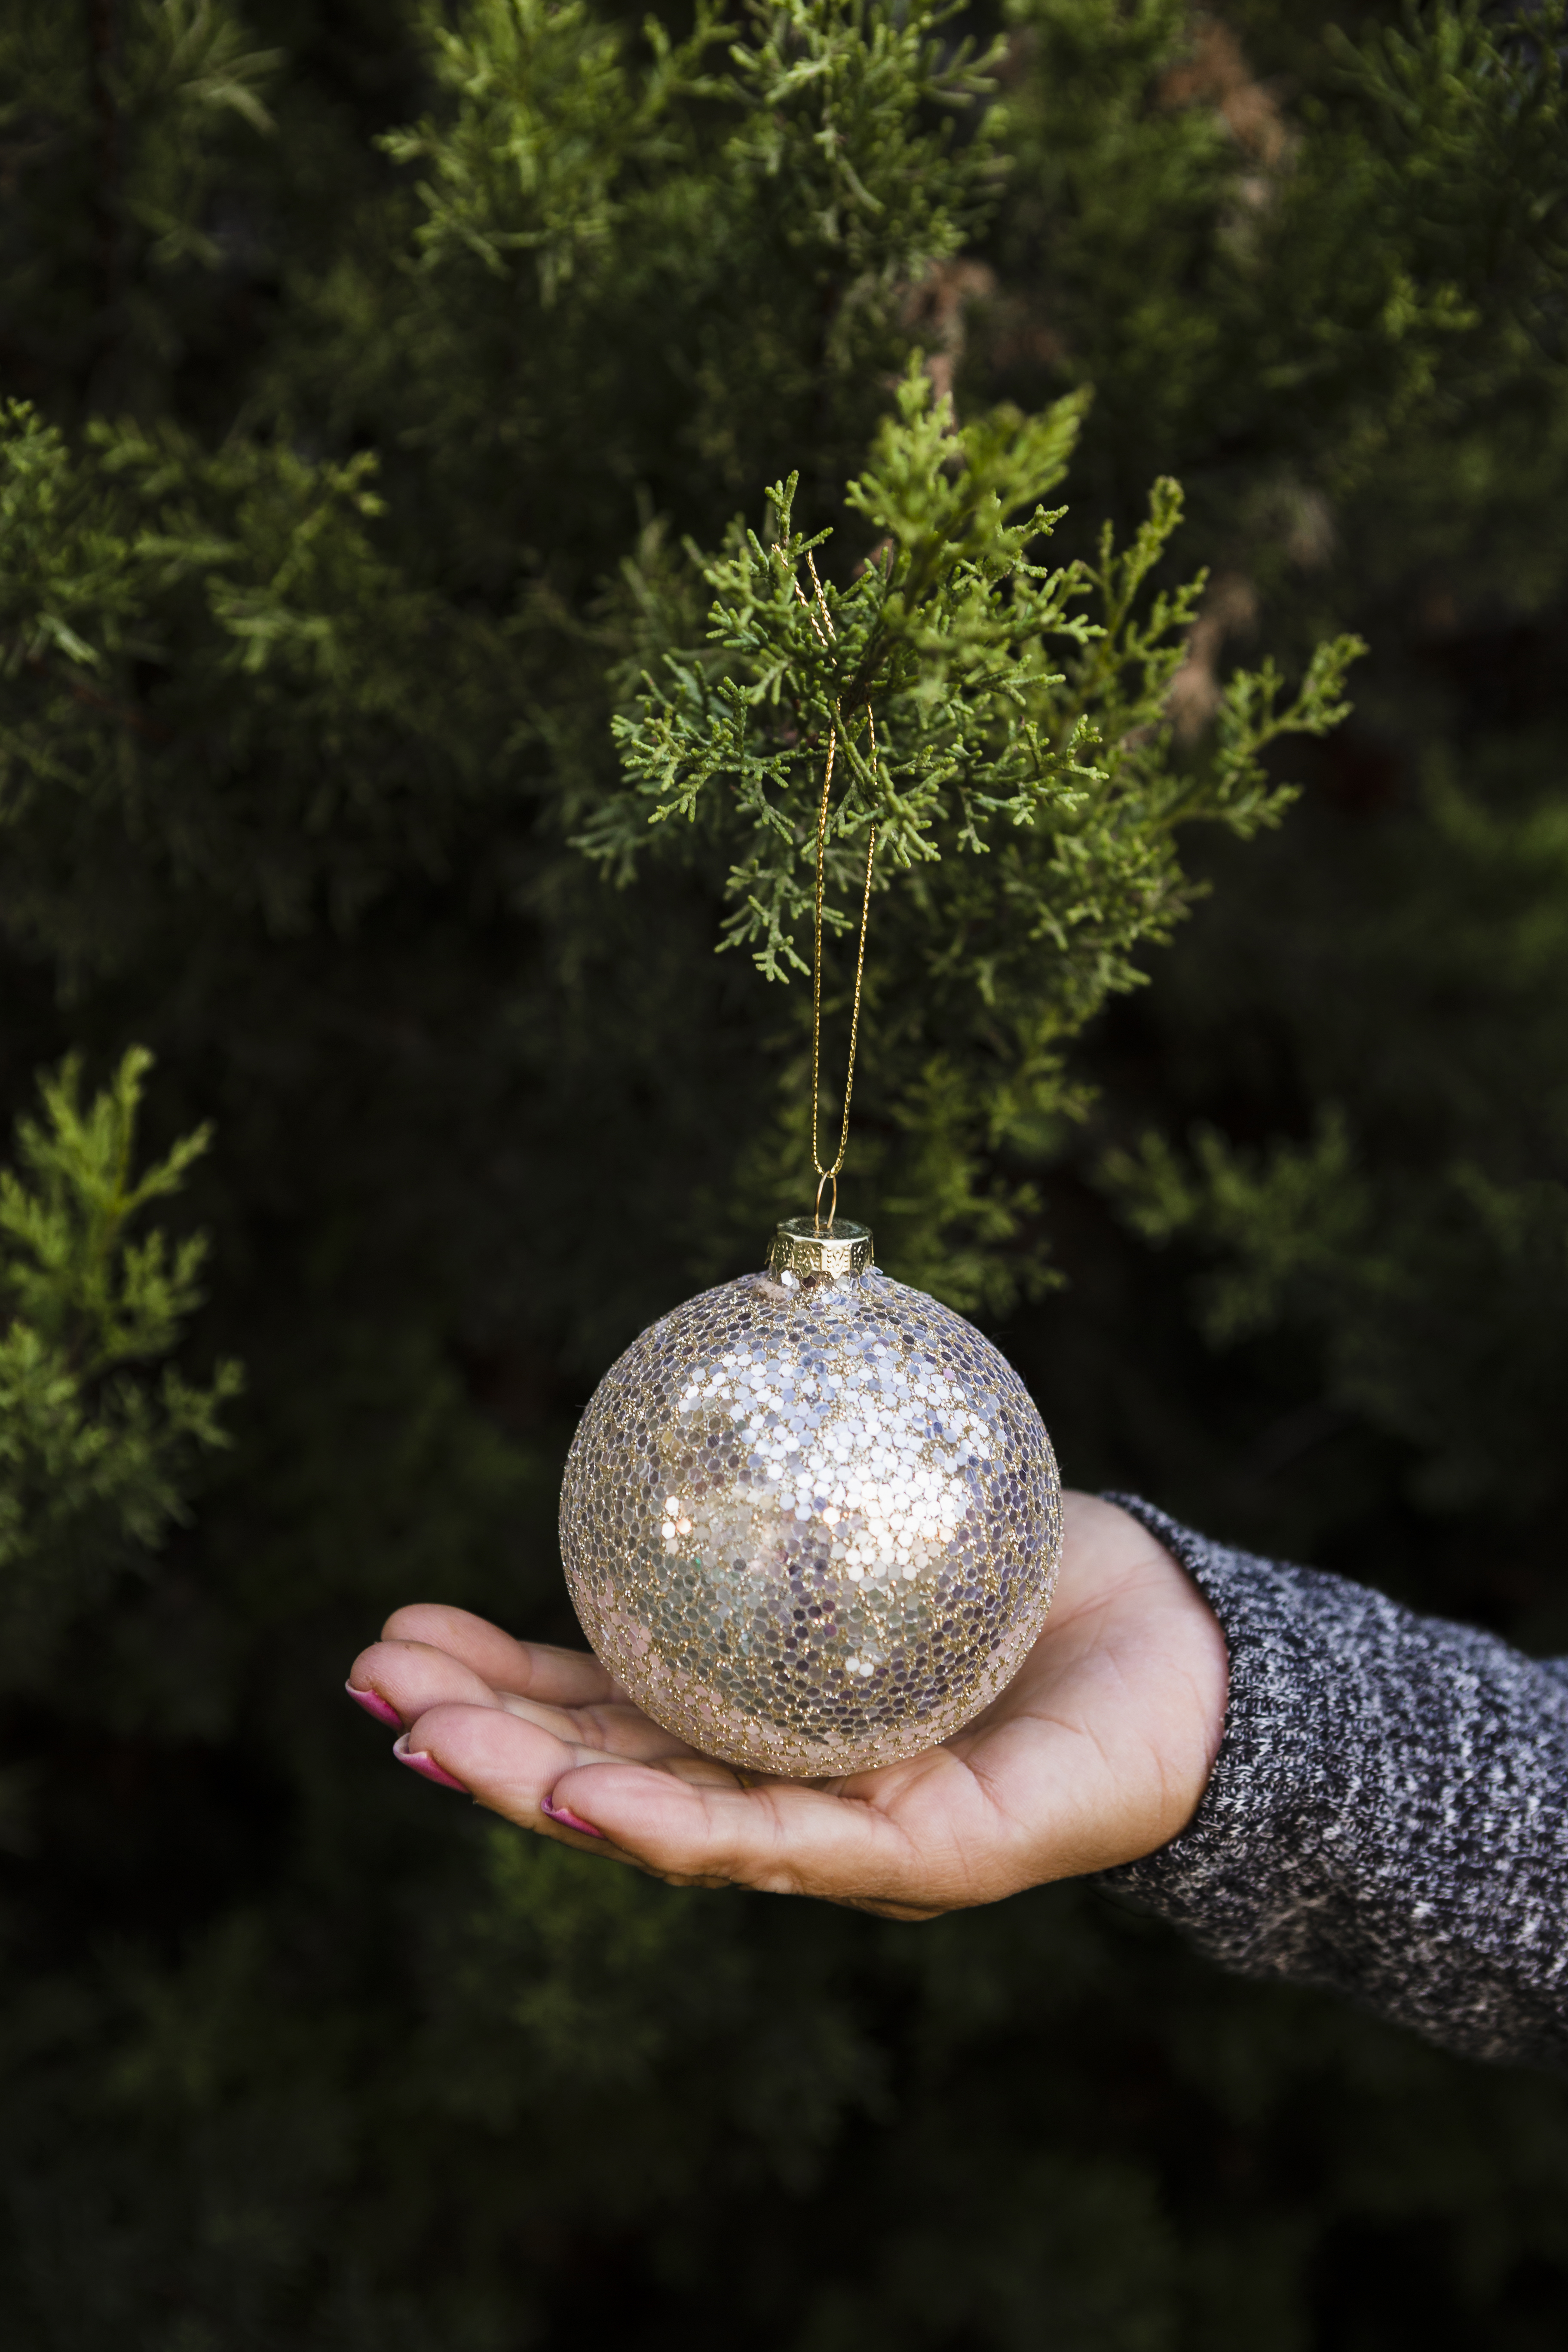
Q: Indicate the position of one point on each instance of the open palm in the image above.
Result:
(1097, 1751)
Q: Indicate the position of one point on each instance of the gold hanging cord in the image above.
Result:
(829, 1176)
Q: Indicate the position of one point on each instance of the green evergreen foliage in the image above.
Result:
(94, 1461)
(1025, 816)
(945, 636)
(382, 388)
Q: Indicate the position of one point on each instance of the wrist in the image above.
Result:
(1172, 1665)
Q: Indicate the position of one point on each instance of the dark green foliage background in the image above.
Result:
(298, 2053)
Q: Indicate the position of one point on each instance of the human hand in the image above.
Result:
(1096, 1752)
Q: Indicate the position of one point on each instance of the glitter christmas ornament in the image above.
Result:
(811, 1519)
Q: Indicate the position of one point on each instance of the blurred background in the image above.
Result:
(366, 363)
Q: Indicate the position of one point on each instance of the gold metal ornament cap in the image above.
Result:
(808, 1251)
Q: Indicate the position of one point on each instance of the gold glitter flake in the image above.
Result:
(811, 1523)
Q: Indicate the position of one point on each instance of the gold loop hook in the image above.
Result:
(822, 623)
(817, 969)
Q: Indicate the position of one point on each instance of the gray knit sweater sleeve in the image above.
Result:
(1388, 1812)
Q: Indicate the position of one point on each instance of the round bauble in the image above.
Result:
(811, 1519)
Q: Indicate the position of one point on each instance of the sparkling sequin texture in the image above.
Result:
(811, 1525)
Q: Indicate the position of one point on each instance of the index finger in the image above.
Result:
(533, 1669)
(780, 1838)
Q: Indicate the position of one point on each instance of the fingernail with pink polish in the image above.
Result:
(373, 1703)
(418, 1761)
(570, 1820)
